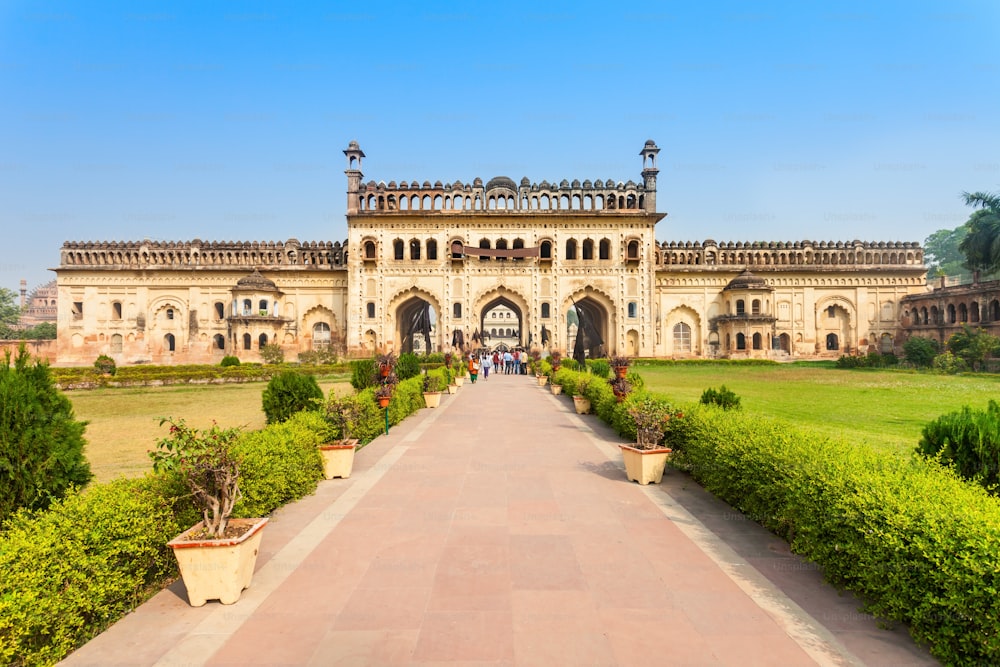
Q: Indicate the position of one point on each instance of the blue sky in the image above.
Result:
(227, 120)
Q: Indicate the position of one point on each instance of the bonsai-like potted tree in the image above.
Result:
(338, 455)
(383, 394)
(216, 557)
(620, 363)
(646, 460)
(460, 372)
(555, 359)
(432, 391)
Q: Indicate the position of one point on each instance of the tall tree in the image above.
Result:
(942, 251)
(10, 312)
(981, 245)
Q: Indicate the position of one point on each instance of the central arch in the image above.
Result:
(518, 324)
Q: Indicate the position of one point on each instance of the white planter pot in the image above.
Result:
(581, 404)
(645, 465)
(218, 569)
(338, 458)
(432, 399)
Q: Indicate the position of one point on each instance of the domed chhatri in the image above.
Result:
(256, 282)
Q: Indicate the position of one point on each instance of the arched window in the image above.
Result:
(755, 310)
(116, 310)
(741, 342)
(247, 307)
(518, 245)
(369, 250)
(116, 343)
(501, 245)
(170, 313)
(832, 342)
(963, 313)
(741, 308)
(220, 310)
(546, 311)
(994, 310)
(169, 342)
(321, 334)
(432, 249)
(456, 310)
(414, 249)
(370, 309)
(545, 251)
(262, 307)
(605, 249)
(682, 337)
(952, 316)
(571, 249)
(219, 341)
(246, 341)
(485, 244)
(633, 309)
(632, 251)
(262, 340)
(757, 341)
(588, 249)
(397, 249)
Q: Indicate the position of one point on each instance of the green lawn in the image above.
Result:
(124, 423)
(881, 407)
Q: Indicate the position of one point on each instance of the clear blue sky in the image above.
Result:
(226, 120)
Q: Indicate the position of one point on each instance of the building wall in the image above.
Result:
(538, 249)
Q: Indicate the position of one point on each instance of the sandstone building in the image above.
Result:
(494, 263)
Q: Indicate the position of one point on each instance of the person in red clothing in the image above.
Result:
(473, 368)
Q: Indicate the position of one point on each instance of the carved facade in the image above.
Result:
(538, 255)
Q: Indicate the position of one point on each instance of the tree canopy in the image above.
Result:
(981, 244)
(942, 251)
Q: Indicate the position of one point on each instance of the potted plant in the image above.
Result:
(621, 388)
(385, 363)
(338, 455)
(581, 402)
(216, 557)
(459, 378)
(646, 460)
(383, 394)
(555, 359)
(620, 364)
(432, 391)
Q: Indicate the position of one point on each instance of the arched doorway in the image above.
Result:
(501, 324)
(416, 320)
(587, 328)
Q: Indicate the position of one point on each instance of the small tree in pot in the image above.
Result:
(646, 460)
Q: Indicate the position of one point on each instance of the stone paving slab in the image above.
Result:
(500, 529)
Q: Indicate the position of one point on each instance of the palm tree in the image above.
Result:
(981, 245)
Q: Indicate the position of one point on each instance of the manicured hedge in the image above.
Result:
(73, 570)
(920, 545)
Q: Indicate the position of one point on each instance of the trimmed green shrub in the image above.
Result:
(599, 367)
(73, 570)
(362, 373)
(920, 351)
(947, 362)
(289, 392)
(280, 463)
(229, 360)
(920, 545)
(723, 397)
(41, 441)
(408, 366)
(968, 441)
(272, 353)
(105, 365)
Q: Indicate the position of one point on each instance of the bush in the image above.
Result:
(408, 366)
(599, 367)
(41, 442)
(289, 392)
(362, 373)
(272, 353)
(319, 356)
(907, 535)
(280, 463)
(724, 398)
(947, 362)
(920, 351)
(968, 441)
(73, 570)
(229, 360)
(105, 365)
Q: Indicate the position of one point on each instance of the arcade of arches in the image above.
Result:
(436, 266)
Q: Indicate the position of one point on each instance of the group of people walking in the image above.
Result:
(508, 362)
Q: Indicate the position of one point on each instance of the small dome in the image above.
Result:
(747, 281)
(501, 182)
(256, 282)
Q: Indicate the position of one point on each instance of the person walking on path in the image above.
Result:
(486, 363)
(473, 368)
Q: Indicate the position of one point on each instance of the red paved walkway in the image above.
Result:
(500, 529)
